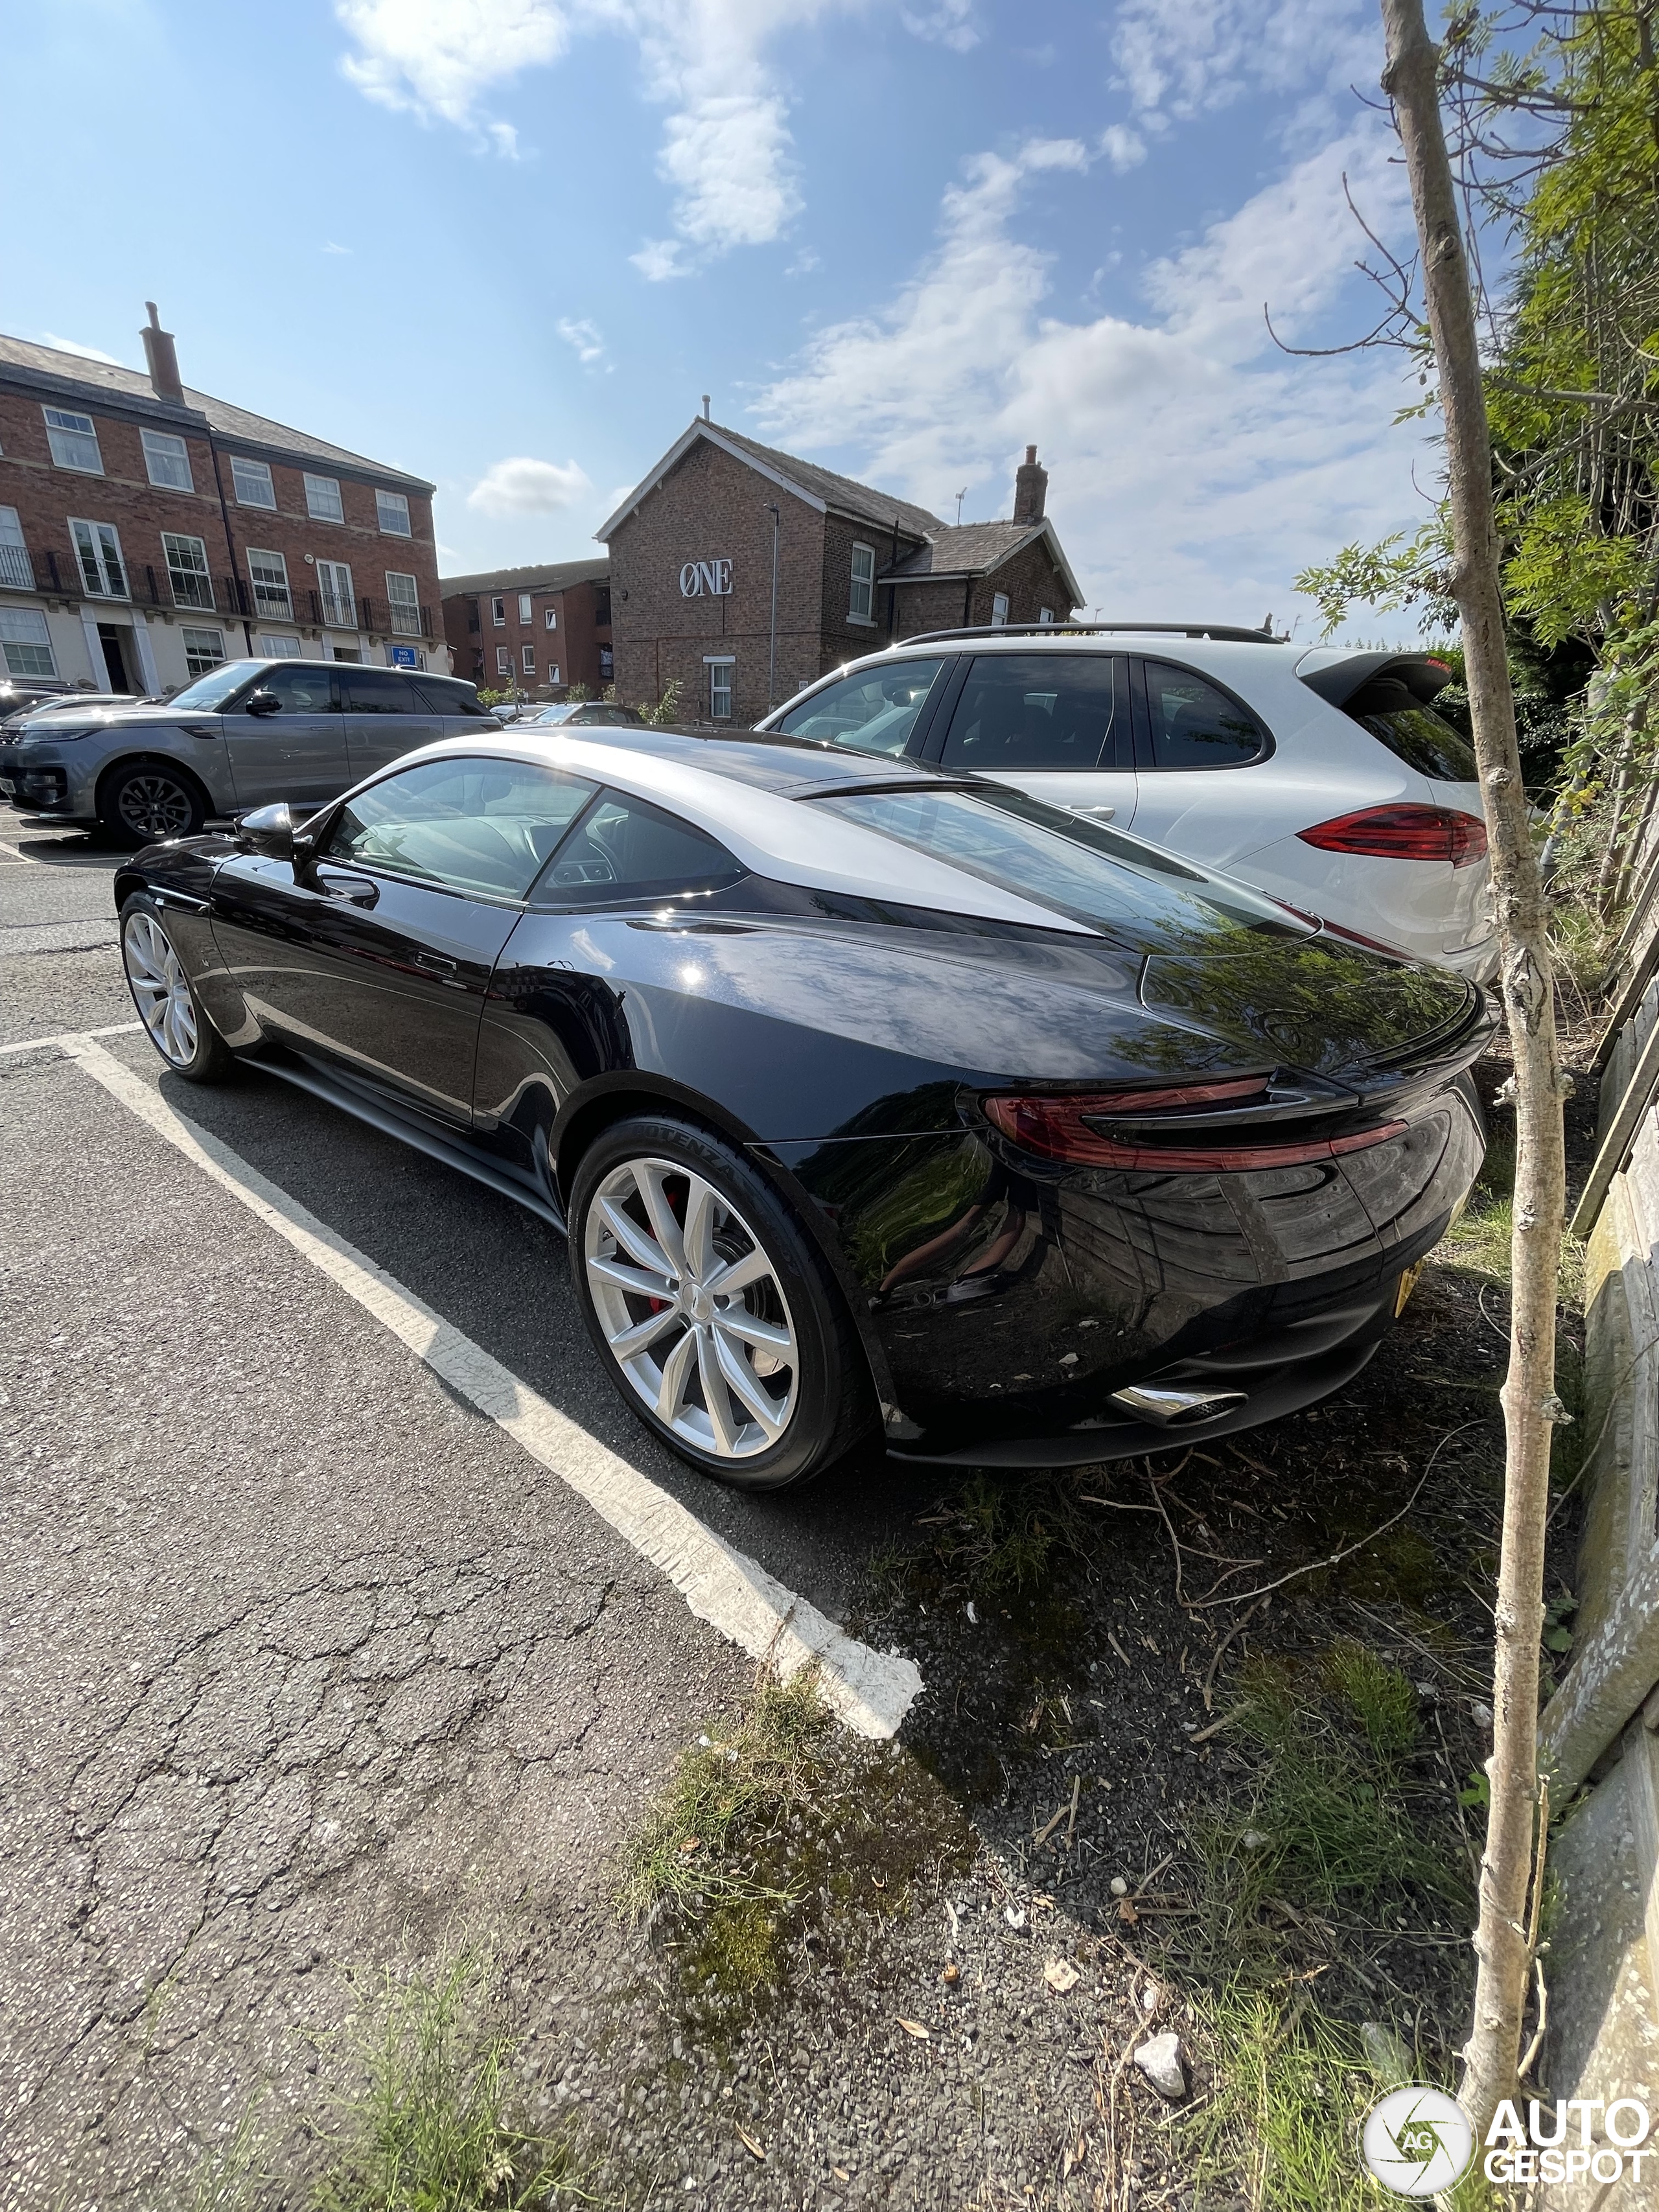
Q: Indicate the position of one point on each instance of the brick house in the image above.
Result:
(692, 555)
(148, 532)
(536, 630)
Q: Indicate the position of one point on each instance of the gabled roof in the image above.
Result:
(550, 576)
(47, 369)
(819, 488)
(974, 549)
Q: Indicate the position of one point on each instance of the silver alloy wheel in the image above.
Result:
(692, 1307)
(154, 805)
(159, 989)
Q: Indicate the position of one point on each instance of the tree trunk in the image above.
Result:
(1530, 1402)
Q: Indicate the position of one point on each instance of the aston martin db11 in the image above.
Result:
(870, 1099)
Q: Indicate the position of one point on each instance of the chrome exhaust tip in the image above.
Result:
(1176, 1409)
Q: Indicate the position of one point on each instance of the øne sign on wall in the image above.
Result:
(709, 579)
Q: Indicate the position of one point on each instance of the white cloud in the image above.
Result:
(1180, 58)
(583, 336)
(1196, 468)
(74, 345)
(520, 485)
(330, 247)
(660, 258)
(1123, 147)
(441, 56)
(949, 23)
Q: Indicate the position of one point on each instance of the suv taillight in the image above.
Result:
(1403, 833)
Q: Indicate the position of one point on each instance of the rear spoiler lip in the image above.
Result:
(1422, 673)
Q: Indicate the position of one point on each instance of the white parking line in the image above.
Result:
(872, 1691)
(72, 1037)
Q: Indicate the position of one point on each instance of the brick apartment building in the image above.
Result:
(692, 563)
(532, 630)
(148, 532)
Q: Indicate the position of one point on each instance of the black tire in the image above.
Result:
(175, 1021)
(827, 1402)
(143, 801)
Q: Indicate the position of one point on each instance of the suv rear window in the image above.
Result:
(441, 698)
(1412, 732)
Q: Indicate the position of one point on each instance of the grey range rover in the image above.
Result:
(241, 735)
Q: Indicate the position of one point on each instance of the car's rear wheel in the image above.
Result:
(173, 1018)
(147, 801)
(710, 1308)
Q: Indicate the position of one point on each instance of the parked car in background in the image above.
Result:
(247, 734)
(18, 694)
(1323, 777)
(583, 715)
(871, 1098)
(74, 702)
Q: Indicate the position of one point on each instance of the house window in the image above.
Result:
(503, 660)
(16, 569)
(205, 649)
(553, 673)
(392, 508)
(403, 597)
(471, 606)
(999, 610)
(103, 572)
(252, 480)
(334, 588)
(167, 459)
(187, 571)
(323, 500)
(281, 648)
(526, 610)
(552, 618)
(1046, 616)
(498, 613)
(26, 642)
(720, 689)
(74, 441)
(269, 572)
(864, 585)
(528, 658)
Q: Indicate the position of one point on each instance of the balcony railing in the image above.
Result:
(395, 619)
(16, 569)
(192, 591)
(339, 608)
(48, 569)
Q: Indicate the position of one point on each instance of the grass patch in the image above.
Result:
(434, 2127)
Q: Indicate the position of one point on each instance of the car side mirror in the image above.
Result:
(270, 831)
(262, 702)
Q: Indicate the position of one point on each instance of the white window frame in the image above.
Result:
(164, 451)
(527, 660)
(325, 501)
(16, 649)
(999, 610)
(263, 591)
(720, 666)
(177, 568)
(503, 660)
(553, 673)
(498, 613)
(1045, 616)
(526, 610)
(339, 607)
(72, 424)
(103, 535)
(257, 470)
(406, 611)
(16, 569)
(281, 649)
(552, 618)
(193, 655)
(864, 616)
(395, 504)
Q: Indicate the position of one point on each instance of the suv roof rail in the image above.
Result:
(1226, 632)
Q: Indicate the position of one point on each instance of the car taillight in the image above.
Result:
(1403, 833)
(1059, 1127)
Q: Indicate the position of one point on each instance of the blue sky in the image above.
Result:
(508, 244)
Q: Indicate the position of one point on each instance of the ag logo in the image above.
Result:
(1418, 2141)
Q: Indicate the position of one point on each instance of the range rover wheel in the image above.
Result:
(172, 1014)
(147, 800)
(707, 1303)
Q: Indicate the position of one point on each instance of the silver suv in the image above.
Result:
(242, 735)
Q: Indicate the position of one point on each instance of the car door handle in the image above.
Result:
(359, 891)
(1095, 813)
(436, 962)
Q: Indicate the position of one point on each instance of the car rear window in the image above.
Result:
(1080, 869)
(447, 698)
(1412, 732)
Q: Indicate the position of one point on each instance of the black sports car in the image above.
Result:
(867, 1095)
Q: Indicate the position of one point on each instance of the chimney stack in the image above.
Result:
(163, 361)
(1031, 488)
(706, 416)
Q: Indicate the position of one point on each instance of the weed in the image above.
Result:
(1380, 1697)
(432, 2128)
(229, 2177)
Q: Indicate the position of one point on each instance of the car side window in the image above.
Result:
(376, 692)
(1192, 724)
(304, 689)
(466, 825)
(449, 699)
(873, 712)
(1041, 710)
(624, 848)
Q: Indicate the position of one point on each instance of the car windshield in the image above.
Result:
(1078, 868)
(211, 690)
(552, 714)
(873, 712)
